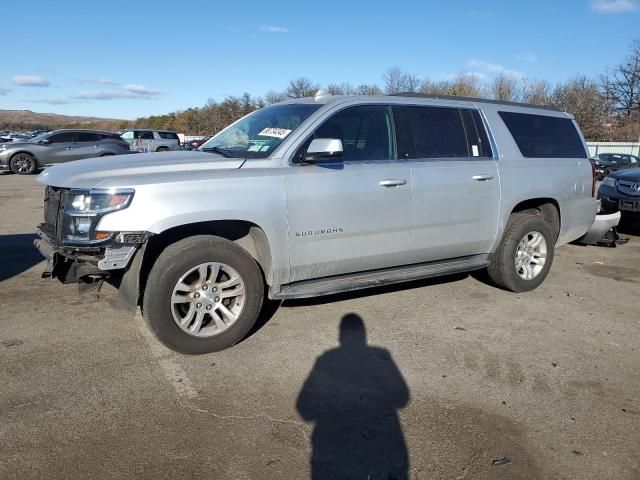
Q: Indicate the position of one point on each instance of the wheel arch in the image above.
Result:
(249, 236)
(548, 208)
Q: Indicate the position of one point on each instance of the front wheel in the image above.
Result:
(23, 164)
(203, 294)
(523, 259)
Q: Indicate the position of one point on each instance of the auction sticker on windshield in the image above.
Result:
(275, 132)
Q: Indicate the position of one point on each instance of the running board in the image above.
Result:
(376, 278)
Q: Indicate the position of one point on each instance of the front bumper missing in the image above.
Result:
(73, 264)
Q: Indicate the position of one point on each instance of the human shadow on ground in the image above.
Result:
(352, 396)
(17, 254)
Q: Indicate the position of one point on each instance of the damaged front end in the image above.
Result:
(78, 252)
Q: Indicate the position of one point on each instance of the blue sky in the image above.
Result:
(126, 59)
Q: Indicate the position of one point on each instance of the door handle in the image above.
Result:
(392, 182)
(69, 148)
(482, 178)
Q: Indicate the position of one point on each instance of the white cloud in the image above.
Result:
(29, 81)
(51, 101)
(528, 57)
(274, 29)
(613, 6)
(494, 68)
(97, 81)
(4, 91)
(141, 90)
(134, 92)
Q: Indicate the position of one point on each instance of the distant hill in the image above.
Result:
(28, 120)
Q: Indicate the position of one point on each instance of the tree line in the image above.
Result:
(607, 108)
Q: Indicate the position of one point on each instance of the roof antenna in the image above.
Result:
(322, 94)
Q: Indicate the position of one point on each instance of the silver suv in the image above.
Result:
(149, 140)
(317, 196)
(59, 146)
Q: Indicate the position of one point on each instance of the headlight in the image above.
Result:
(609, 182)
(84, 208)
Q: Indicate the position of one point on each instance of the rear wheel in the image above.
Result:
(203, 294)
(523, 258)
(23, 164)
(162, 149)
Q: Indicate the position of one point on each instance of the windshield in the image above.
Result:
(611, 158)
(39, 137)
(259, 133)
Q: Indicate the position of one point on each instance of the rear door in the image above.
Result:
(144, 141)
(85, 145)
(456, 189)
(353, 214)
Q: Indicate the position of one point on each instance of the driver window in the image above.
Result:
(365, 132)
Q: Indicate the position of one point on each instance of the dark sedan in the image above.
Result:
(605, 163)
(621, 190)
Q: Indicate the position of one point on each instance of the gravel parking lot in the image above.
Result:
(457, 379)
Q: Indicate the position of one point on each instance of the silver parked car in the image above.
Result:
(317, 196)
(149, 140)
(59, 146)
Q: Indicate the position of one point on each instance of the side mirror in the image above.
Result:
(323, 149)
(45, 141)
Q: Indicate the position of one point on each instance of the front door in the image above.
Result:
(59, 149)
(353, 214)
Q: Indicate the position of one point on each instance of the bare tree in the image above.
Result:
(582, 98)
(504, 88)
(536, 92)
(302, 87)
(393, 80)
(397, 81)
(621, 86)
(365, 89)
(411, 82)
(273, 96)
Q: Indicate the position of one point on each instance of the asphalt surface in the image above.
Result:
(455, 376)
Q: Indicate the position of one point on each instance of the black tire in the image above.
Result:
(502, 269)
(23, 164)
(108, 154)
(175, 261)
(162, 149)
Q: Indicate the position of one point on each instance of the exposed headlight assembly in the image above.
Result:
(84, 208)
(609, 182)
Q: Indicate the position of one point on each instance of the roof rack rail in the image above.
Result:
(473, 99)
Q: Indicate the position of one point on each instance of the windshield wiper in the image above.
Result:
(225, 152)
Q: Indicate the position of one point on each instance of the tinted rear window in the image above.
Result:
(431, 132)
(168, 135)
(541, 136)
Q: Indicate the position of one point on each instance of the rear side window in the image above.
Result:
(143, 135)
(110, 136)
(168, 135)
(86, 137)
(477, 137)
(430, 132)
(542, 136)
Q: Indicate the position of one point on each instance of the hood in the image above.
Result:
(629, 174)
(125, 170)
(20, 144)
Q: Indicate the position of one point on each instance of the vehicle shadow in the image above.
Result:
(352, 396)
(17, 254)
